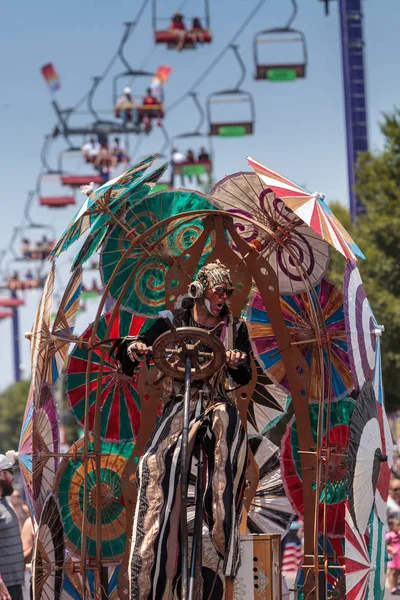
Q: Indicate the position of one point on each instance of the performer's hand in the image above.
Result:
(4, 593)
(136, 349)
(234, 358)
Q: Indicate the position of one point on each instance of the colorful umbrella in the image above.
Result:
(311, 208)
(48, 553)
(370, 459)
(358, 562)
(244, 194)
(334, 491)
(73, 581)
(120, 400)
(146, 292)
(120, 187)
(331, 549)
(40, 333)
(39, 440)
(103, 223)
(267, 406)
(69, 489)
(270, 510)
(63, 327)
(299, 318)
(363, 333)
(377, 555)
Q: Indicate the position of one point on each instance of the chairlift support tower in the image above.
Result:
(351, 29)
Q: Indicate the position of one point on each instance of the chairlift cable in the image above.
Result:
(115, 56)
(219, 56)
(293, 15)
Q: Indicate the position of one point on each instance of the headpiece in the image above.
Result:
(210, 276)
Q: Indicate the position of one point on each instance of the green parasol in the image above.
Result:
(146, 292)
(103, 221)
(70, 492)
(119, 187)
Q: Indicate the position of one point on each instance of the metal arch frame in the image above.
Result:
(280, 30)
(309, 460)
(207, 17)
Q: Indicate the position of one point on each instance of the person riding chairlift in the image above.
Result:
(197, 31)
(178, 29)
(119, 152)
(150, 100)
(90, 150)
(203, 154)
(104, 162)
(126, 107)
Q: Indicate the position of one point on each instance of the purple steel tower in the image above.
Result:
(354, 92)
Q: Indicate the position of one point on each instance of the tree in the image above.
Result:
(12, 408)
(377, 233)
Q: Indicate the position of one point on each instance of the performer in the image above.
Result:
(155, 551)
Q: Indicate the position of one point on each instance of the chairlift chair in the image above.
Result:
(234, 96)
(5, 314)
(144, 110)
(231, 128)
(70, 179)
(202, 166)
(53, 201)
(275, 70)
(191, 39)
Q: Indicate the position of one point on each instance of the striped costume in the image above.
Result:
(155, 552)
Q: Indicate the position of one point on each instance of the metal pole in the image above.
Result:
(15, 326)
(195, 563)
(355, 105)
(184, 480)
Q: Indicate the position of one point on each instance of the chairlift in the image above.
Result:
(200, 165)
(179, 38)
(52, 201)
(7, 302)
(237, 97)
(136, 114)
(280, 71)
(5, 314)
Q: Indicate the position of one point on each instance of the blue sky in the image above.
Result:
(299, 126)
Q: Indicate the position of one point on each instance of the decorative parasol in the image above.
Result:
(103, 222)
(63, 327)
(244, 194)
(358, 562)
(363, 333)
(270, 510)
(311, 208)
(73, 581)
(370, 459)
(69, 489)
(39, 440)
(120, 401)
(121, 186)
(377, 555)
(267, 406)
(334, 491)
(299, 318)
(332, 549)
(146, 292)
(40, 333)
(48, 553)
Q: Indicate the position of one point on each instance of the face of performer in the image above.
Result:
(216, 298)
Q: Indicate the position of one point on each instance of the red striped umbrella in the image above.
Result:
(311, 208)
(120, 402)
